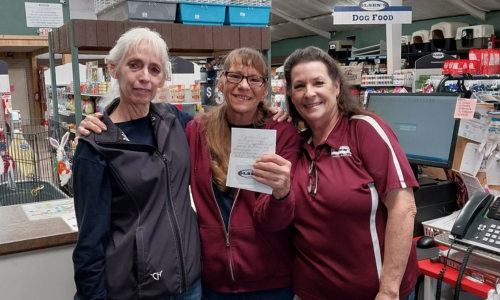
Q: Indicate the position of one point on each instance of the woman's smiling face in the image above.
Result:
(242, 99)
(314, 93)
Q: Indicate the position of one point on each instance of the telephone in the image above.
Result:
(478, 223)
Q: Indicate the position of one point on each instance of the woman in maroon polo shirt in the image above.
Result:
(246, 236)
(354, 189)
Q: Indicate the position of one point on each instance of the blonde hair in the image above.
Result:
(218, 135)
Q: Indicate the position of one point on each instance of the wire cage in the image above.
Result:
(29, 163)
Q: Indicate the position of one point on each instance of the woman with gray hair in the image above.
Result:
(138, 235)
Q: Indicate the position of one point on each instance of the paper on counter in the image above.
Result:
(473, 129)
(444, 223)
(472, 184)
(246, 146)
(49, 209)
(471, 160)
(71, 221)
(493, 170)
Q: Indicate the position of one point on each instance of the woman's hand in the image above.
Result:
(279, 114)
(92, 123)
(274, 171)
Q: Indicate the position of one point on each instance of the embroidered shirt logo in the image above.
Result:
(343, 151)
(125, 138)
(156, 275)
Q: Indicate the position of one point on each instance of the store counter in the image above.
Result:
(36, 245)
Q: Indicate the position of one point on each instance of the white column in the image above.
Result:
(393, 34)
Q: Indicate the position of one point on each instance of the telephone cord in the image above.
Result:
(462, 271)
(441, 274)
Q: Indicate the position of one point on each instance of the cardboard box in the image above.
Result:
(352, 74)
(177, 93)
(482, 270)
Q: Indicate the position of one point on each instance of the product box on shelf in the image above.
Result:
(140, 10)
(242, 15)
(473, 36)
(195, 92)
(480, 269)
(420, 41)
(443, 34)
(201, 13)
(177, 93)
(161, 95)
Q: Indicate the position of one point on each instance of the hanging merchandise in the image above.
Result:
(63, 167)
(11, 181)
(22, 154)
(3, 143)
(490, 137)
(7, 108)
(9, 166)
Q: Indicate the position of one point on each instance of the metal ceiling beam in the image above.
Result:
(301, 23)
(476, 13)
(322, 5)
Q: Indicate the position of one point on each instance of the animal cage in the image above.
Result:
(28, 170)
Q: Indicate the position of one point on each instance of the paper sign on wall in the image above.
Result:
(352, 74)
(46, 15)
(465, 108)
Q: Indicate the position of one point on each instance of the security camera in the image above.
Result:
(62, 1)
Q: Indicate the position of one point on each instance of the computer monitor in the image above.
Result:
(424, 124)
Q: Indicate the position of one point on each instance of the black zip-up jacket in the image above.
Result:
(154, 246)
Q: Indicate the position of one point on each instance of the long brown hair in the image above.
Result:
(347, 104)
(215, 122)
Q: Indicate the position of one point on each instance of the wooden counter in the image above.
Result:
(19, 234)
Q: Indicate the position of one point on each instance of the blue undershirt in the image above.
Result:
(139, 131)
(225, 200)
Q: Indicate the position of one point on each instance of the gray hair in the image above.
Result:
(131, 40)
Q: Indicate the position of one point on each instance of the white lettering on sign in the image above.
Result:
(358, 15)
(373, 5)
(438, 55)
(44, 31)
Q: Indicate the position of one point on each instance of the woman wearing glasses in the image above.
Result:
(354, 189)
(246, 241)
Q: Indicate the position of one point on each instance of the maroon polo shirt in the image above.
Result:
(340, 231)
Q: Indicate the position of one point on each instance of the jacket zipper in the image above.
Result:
(226, 233)
(170, 211)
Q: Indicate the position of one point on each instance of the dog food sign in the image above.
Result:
(372, 12)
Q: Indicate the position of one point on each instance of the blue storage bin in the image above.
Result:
(243, 15)
(201, 13)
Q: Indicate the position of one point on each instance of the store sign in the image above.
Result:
(372, 12)
(43, 14)
(352, 74)
(44, 31)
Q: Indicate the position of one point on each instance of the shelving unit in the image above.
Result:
(98, 36)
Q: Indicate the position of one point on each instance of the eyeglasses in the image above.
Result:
(312, 189)
(253, 80)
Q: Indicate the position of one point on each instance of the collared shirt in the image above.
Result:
(340, 230)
